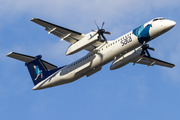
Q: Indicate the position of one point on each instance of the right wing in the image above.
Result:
(150, 61)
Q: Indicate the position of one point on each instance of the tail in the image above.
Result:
(38, 68)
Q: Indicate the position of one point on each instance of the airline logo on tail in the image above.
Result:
(38, 72)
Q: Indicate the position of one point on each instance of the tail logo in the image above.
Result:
(38, 72)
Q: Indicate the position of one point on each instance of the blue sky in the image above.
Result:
(131, 92)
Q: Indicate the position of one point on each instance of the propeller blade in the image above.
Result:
(150, 48)
(107, 33)
(96, 25)
(104, 38)
(99, 37)
(102, 25)
(142, 53)
(148, 53)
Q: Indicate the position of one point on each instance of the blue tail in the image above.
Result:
(38, 70)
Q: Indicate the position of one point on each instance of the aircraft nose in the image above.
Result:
(170, 24)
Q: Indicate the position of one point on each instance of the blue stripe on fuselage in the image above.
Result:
(142, 33)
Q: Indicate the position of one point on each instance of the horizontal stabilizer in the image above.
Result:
(27, 59)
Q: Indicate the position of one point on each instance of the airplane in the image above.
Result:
(129, 48)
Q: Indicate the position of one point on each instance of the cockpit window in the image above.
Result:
(149, 25)
(158, 19)
(155, 19)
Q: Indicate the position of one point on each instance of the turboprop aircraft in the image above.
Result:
(129, 48)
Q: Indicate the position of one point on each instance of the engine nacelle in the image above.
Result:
(83, 43)
(125, 59)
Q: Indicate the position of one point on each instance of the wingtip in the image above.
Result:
(9, 54)
(34, 19)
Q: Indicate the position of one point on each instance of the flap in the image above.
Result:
(27, 59)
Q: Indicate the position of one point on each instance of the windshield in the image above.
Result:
(158, 19)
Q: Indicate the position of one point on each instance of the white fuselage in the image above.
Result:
(107, 52)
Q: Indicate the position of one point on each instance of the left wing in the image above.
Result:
(64, 33)
(150, 61)
(68, 35)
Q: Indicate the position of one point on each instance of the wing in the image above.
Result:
(27, 59)
(150, 61)
(64, 33)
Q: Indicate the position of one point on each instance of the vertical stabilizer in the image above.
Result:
(37, 70)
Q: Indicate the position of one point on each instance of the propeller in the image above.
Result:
(101, 31)
(145, 48)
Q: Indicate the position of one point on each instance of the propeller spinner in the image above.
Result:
(101, 32)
